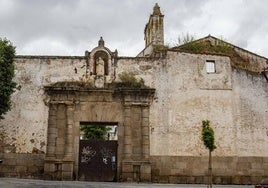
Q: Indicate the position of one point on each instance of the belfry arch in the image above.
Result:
(73, 102)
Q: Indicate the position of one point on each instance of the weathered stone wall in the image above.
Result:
(250, 93)
(235, 101)
(194, 169)
(24, 129)
(22, 165)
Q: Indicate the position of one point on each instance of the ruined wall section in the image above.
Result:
(251, 113)
(24, 129)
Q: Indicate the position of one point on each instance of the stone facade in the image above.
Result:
(159, 122)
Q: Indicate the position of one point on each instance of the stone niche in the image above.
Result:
(101, 63)
(74, 102)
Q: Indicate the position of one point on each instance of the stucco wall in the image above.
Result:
(234, 101)
(24, 129)
(250, 93)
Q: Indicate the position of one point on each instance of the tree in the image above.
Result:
(7, 86)
(94, 132)
(208, 139)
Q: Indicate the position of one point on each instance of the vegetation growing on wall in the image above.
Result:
(7, 86)
(129, 79)
(219, 47)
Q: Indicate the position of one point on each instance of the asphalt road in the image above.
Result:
(29, 183)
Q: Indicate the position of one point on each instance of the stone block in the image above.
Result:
(256, 165)
(265, 159)
(257, 172)
(163, 179)
(246, 180)
(256, 180)
(145, 112)
(52, 121)
(191, 179)
(5, 168)
(8, 161)
(173, 179)
(67, 176)
(33, 169)
(136, 117)
(67, 167)
(127, 168)
(179, 165)
(49, 167)
(145, 169)
(127, 176)
(145, 131)
(136, 150)
(226, 180)
(127, 131)
(236, 180)
(20, 169)
(155, 172)
(199, 179)
(243, 165)
(198, 171)
(145, 177)
(145, 150)
(182, 179)
(165, 171)
(265, 165)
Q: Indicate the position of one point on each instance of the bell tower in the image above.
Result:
(154, 29)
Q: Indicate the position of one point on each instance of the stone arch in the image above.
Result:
(105, 57)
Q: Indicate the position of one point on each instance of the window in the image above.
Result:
(210, 67)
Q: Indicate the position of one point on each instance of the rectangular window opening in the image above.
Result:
(210, 66)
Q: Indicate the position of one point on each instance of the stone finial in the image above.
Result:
(101, 42)
(156, 9)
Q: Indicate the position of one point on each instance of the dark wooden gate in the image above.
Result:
(97, 160)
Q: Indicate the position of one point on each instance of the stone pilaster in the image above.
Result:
(145, 133)
(127, 134)
(52, 131)
(68, 153)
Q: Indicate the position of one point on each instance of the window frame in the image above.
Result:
(210, 66)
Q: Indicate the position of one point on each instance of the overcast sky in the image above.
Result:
(69, 27)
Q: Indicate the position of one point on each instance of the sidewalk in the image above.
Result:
(29, 183)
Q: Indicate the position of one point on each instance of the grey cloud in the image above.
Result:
(77, 25)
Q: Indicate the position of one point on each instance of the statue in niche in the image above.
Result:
(100, 67)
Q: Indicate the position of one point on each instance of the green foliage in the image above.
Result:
(7, 55)
(206, 47)
(208, 135)
(129, 79)
(94, 132)
(161, 47)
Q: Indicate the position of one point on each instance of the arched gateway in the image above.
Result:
(104, 102)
